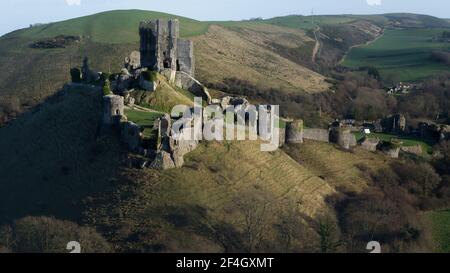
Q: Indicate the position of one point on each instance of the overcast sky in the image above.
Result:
(16, 14)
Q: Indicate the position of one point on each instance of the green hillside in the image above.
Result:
(401, 54)
(109, 27)
(404, 20)
(309, 22)
(440, 223)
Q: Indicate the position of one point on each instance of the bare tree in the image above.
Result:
(255, 210)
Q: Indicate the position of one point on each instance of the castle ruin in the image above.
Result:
(162, 49)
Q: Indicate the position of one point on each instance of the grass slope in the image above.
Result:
(441, 232)
(405, 20)
(52, 160)
(195, 208)
(164, 98)
(401, 55)
(339, 168)
(250, 52)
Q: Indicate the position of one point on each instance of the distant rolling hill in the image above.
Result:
(405, 20)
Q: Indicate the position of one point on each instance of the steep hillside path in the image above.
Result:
(317, 45)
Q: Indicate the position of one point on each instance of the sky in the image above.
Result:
(15, 14)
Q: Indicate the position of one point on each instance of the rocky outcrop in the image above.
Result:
(417, 149)
(233, 101)
(133, 61)
(123, 82)
(163, 161)
(147, 85)
(187, 82)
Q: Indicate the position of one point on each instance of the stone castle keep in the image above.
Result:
(161, 49)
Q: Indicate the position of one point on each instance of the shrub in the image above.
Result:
(75, 74)
(106, 88)
(418, 178)
(49, 235)
(150, 76)
(105, 77)
(373, 72)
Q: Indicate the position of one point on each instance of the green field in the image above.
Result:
(401, 55)
(441, 229)
(144, 119)
(110, 27)
(407, 141)
(308, 22)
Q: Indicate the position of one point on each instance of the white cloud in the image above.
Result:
(73, 2)
(374, 2)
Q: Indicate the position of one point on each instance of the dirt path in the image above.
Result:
(317, 45)
(142, 109)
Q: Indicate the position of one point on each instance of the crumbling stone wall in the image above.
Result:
(172, 148)
(131, 136)
(322, 135)
(187, 82)
(417, 149)
(394, 123)
(186, 60)
(133, 61)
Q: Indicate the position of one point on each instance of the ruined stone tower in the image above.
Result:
(161, 49)
(113, 109)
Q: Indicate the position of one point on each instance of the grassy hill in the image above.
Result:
(110, 27)
(401, 54)
(55, 163)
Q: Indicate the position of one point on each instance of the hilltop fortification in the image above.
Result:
(162, 49)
